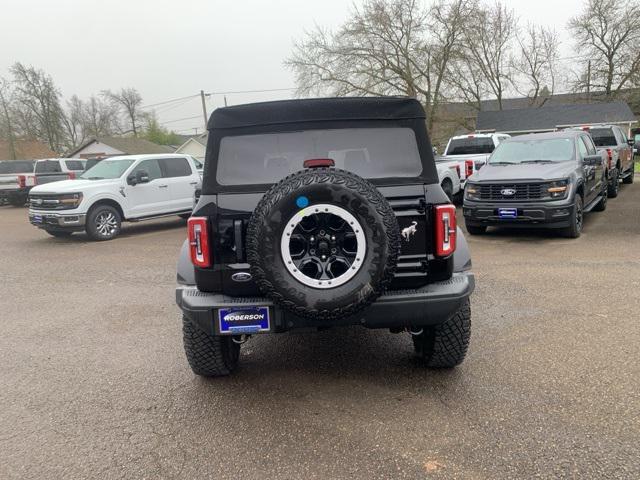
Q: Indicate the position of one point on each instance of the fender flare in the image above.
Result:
(186, 271)
(462, 255)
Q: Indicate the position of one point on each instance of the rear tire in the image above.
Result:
(445, 345)
(209, 356)
(103, 223)
(59, 233)
(614, 185)
(575, 229)
(476, 229)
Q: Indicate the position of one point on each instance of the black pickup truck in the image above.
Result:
(322, 213)
(545, 180)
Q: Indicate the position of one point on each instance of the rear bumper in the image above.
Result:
(57, 221)
(556, 214)
(428, 305)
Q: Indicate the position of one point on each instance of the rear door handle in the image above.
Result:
(163, 186)
(193, 183)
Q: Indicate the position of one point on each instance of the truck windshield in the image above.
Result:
(16, 167)
(518, 151)
(368, 152)
(470, 146)
(48, 166)
(603, 137)
(107, 169)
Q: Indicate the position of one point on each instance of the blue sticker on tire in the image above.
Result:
(236, 321)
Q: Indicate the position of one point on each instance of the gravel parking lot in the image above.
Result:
(94, 383)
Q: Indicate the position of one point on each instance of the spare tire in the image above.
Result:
(323, 243)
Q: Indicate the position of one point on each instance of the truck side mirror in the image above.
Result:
(631, 142)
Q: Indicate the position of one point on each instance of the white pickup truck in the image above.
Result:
(16, 179)
(128, 188)
(449, 177)
(468, 153)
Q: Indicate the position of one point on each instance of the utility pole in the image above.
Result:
(589, 81)
(204, 108)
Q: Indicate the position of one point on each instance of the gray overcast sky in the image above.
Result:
(169, 49)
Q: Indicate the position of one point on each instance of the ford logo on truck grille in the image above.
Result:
(508, 192)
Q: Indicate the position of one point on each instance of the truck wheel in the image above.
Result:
(103, 222)
(323, 243)
(628, 180)
(575, 228)
(476, 229)
(445, 345)
(209, 356)
(614, 185)
(18, 200)
(59, 233)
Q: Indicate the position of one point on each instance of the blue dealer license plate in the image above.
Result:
(508, 212)
(235, 321)
(37, 219)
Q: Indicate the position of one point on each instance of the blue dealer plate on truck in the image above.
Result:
(508, 212)
(236, 321)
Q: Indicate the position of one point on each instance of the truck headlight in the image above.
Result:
(472, 191)
(70, 200)
(557, 189)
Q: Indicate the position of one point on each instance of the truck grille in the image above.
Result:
(45, 202)
(523, 191)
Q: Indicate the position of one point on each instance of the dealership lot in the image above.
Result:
(94, 382)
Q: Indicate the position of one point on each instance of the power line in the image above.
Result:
(169, 101)
(254, 91)
(180, 119)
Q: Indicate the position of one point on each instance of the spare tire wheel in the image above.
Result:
(323, 243)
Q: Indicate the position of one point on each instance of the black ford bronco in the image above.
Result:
(322, 213)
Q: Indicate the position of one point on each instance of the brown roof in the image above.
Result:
(26, 150)
(127, 145)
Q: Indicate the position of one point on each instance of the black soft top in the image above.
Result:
(316, 110)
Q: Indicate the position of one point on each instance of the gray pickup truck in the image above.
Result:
(545, 180)
(16, 179)
(612, 141)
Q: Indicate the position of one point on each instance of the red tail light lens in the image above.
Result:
(22, 181)
(468, 168)
(72, 175)
(445, 228)
(199, 245)
(610, 156)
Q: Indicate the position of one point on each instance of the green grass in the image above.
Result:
(637, 165)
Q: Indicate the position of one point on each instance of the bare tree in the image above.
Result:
(386, 47)
(129, 101)
(536, 63)
(486, 53)
(38, 105)
(6, 125)
(607, 35)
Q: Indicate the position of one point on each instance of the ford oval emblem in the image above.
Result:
(241, 277)
(508, 192)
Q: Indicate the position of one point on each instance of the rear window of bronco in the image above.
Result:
(368, 152)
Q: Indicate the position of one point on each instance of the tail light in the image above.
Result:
(468, 168)
(22, 181)
(445, 230)
(610, 156)
(72, 175)
(199, 245)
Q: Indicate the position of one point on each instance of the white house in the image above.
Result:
(111, 146)
(195, 146)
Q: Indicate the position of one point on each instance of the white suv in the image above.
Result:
(128, 188)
